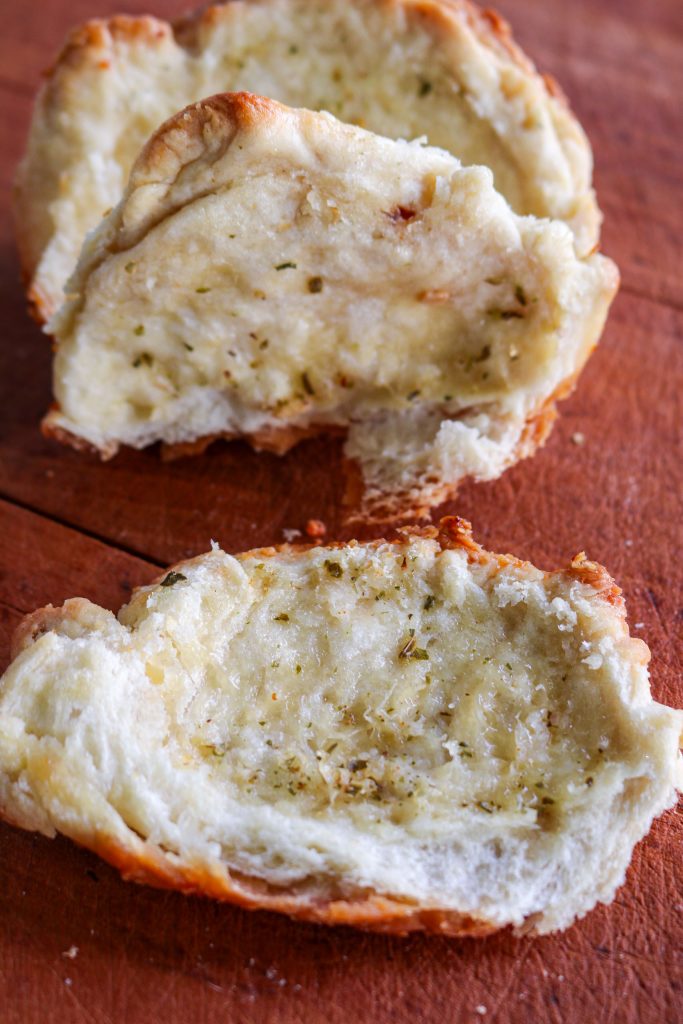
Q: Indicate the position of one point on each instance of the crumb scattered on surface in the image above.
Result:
(315, 528)
(71, 953)
(578, 437)
(290, 535)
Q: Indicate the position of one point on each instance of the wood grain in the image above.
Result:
(71, 525)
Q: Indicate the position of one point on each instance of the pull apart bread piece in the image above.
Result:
(401, 68)
(271, 273)
(407, 735)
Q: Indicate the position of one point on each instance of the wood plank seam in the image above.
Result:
(90, 534)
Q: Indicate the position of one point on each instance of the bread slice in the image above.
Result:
(272, 272)
(407, 735)
(401, 68)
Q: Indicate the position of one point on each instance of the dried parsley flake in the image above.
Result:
(172, 578)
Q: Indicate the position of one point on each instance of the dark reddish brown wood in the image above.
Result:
(43, 563)
(144, 956)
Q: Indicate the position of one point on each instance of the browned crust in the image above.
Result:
(452, 533)
(54, 432)
(395, 508)
(595, 575)
(369, 910)
(32, 626)
(275, 439)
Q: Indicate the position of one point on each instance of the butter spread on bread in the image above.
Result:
(402, 68)
(407, 735)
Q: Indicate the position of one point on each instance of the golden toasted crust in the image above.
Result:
(453, 533)
(370, 911)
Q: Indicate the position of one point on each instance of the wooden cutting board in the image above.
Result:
(78, 945)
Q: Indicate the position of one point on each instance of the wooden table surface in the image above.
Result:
(78, 945)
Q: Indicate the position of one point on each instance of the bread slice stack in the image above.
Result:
(371, 218)
(440, 69)
(272, 273)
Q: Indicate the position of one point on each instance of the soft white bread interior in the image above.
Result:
(272, 272)
(401, 68)
(402, 735)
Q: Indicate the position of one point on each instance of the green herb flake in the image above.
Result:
(334, 569)
(419, 654)
(139, 330)
(425, 88)
(286, 266)
(306, 381)
(520, 295)
(412, 395)
(505, 314)
(282, 617)
(203, 290)
(429, 602)
(485, 806)
(547, 800)
(408, 648)
(217, 749)
(298, 670)
(315, 285)
(172, 578)
(129, 266)
(293, 49)
(190, 348)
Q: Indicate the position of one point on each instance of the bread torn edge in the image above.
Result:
(388, 510)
